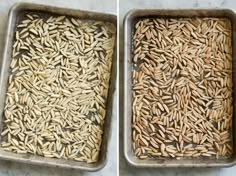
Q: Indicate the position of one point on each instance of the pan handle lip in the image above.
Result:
(25, 5)
(136, 13)
(133, 163)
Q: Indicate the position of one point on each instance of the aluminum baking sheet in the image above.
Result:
(129, 22)
(15, 12)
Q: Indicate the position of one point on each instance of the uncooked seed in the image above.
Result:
(52, 108)
(182, 88)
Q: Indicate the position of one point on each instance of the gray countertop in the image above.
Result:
(8, 168)
(124, 7)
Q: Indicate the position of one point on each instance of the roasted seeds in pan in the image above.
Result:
(182, 88)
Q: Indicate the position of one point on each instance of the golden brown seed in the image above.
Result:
(182, 87)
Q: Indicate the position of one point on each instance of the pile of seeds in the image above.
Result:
(58, 86)
(182, 88)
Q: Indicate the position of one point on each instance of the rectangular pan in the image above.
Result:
(129, 22)
(14, 13)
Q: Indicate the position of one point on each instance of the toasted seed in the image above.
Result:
(181, 89)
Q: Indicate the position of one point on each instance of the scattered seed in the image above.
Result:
(58, 87)
(182, 88)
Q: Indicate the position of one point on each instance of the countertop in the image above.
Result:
(124, 7)
(17, 169)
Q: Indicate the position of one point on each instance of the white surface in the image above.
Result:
(124, 7)
(17, 169)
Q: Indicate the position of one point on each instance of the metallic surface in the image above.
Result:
(14, 13)
(129, 22)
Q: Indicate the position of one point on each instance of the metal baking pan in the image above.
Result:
(14, 14)
(129, 22)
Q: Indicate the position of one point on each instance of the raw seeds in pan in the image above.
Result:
(58, 86)
(182, 88)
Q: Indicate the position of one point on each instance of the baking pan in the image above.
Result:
(129, 22)
(14, 14)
